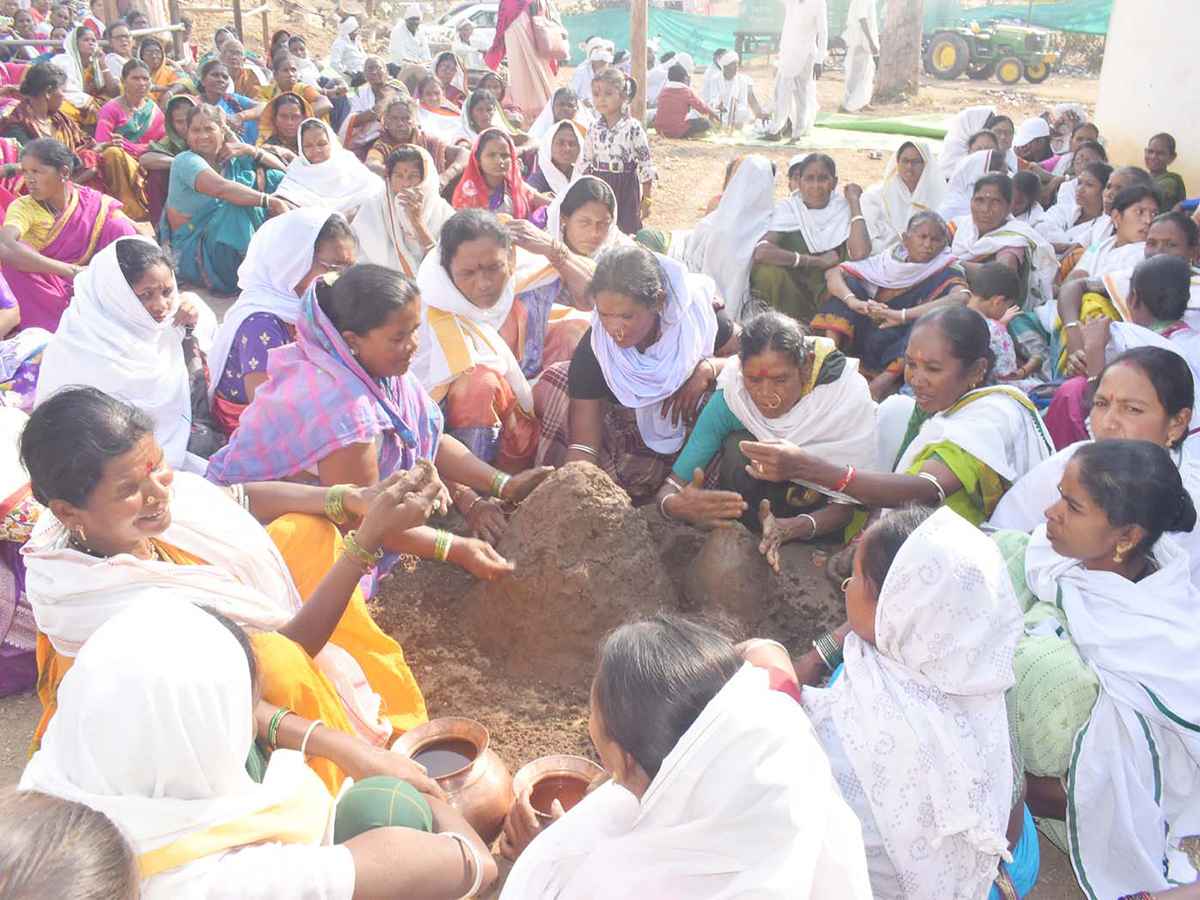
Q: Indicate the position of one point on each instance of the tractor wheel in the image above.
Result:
(1036, 73)
(1009, 70)
(981, 71)
(948, 56)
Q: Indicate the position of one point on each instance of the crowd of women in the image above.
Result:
(974, 379)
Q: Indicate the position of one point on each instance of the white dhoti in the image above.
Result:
(860, 78)
(795, 99)
(803, 44)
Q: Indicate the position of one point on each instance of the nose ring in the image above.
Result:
(778, 402)
(620, 335)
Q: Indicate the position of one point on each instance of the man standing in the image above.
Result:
(802, 49)
(407, 48)
(862, 50)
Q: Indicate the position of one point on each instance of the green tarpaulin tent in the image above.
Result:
(1082, 16)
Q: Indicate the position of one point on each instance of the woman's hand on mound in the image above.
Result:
(772, 535)
(357, 500)
(487, 521)
(522, 484)
(405, 501)
(371, 761)
(704, 508)
(479, 558)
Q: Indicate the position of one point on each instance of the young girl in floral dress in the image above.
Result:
(617, 150)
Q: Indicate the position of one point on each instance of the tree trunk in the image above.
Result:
(900, 50)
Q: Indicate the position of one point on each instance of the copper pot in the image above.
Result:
(562, 778)
(481, 787)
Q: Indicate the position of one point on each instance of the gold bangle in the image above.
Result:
(335, 511)
(357, 551)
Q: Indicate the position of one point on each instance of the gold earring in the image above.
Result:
(846, 584)
(1119, 556)
(82, 534)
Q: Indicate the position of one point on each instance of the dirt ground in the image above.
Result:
(425, 604)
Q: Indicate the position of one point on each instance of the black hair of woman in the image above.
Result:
(1163, 284)
(1167, 372)
(887, 537)
(405, 153)
(470, 225)
(774, 331)
(967, 333)
(997, 180)
(362, 299)
(631, 271)
(588, 190)
(52, 152)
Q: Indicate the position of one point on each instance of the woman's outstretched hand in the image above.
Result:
(406, 501)
(523, 484)
(704, 508)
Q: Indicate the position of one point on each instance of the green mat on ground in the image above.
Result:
(926, 126)
(836, 131)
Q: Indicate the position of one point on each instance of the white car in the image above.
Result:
(482, 15)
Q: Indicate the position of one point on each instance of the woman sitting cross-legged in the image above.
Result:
(285, 256)
(914, 721)
(874, 303)
(636, 381)
(961, 441)
(1105, 706)
(341, 405)
(217, 198)
(718, 788)
(782, 385)
(51, 234)
(129, 332)
(184, 685)
(123, 530)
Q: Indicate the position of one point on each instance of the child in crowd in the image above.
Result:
(617, 150)
(1026, 189)
(676, 102)
(995, 295)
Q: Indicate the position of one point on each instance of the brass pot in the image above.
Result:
(552, 774)
(482, 789)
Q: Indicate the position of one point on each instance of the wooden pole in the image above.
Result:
(637, 49)
(266, 34)
(176, 36)
(111, 14)
(237, 21)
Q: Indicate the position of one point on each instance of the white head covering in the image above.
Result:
(1030, 131)
(107, 340)
(584, 118)
(600, 54)
(341, 182)
(744, 805)
(279, 255)
(642, 381)
(412, 11)
(728, 58)
(962, 126)
(722, 243)
(385, 233)
(970, 245)
(931, 691)
(154, 723)
(957, 199)
(347, 26)
(823, 229)
(889, 204)
(556, 179)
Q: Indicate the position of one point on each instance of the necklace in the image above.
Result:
(156, 552)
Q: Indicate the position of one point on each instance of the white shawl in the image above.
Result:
(1060, 224)
(245, 578)
(743, 806)
(341, 182)
(642, 381)
(1133, 787)
(892, 270)
(921, 714)
(823, 229)
(444, 124)
(957, 199)
(722, 243)
(834, 421)
(107, 340)
(889, 204)
(479, 330)
(1105, 256)
(969, 245)
(554, 177)
(153, 726)
(584, 118)
(962, 126)
(385, 233)
(279, 256)
(997, 427)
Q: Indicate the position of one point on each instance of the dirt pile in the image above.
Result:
(585, 563)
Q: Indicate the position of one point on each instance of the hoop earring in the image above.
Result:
(846, 583)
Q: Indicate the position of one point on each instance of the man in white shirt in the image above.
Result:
(862, 48)
(407, 48)
(731, 93)
(469, 48)
(802, 48)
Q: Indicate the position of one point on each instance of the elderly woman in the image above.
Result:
(437, 115)
(492, 180)
(40, 114)
(960, 441)
(916, 700)
(245, 78)
(399, 126)
(279, 127)
(124, 129)
(876, 302)
(326, 174)
(285, 256)
(51, 234)
(695, 739)
(398, 226)
(636, 380)
(479, 345)
(218, 197)
(782, 385)
(912, 183)
(355, 342)
(278, 833)
(242, 112)
(122, 529)
(126, 332)
(813, 229)
(1144, 394)
(1098, 580)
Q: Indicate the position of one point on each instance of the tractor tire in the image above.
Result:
(1036, 73)
(1009, 70)
(948, 56)
(981, 71)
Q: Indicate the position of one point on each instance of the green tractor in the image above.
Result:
(1004, 49)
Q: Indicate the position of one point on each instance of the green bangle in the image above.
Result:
(442, 542)
(356, 550)
(273, 728)
(335, 511)
(499, 481)
(829, 651)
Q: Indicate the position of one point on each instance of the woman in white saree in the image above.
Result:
(400, 224)
(719, 788)
(326, 174)
(912, 183)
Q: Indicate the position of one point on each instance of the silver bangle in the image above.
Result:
(307, 734)
(933, 480)
(1067, 325)
(475, 860)
(812, 521)
(796, 264)
(904, 316)
(859, 218)
(755, 643)
(584, 448)
(662, 507)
